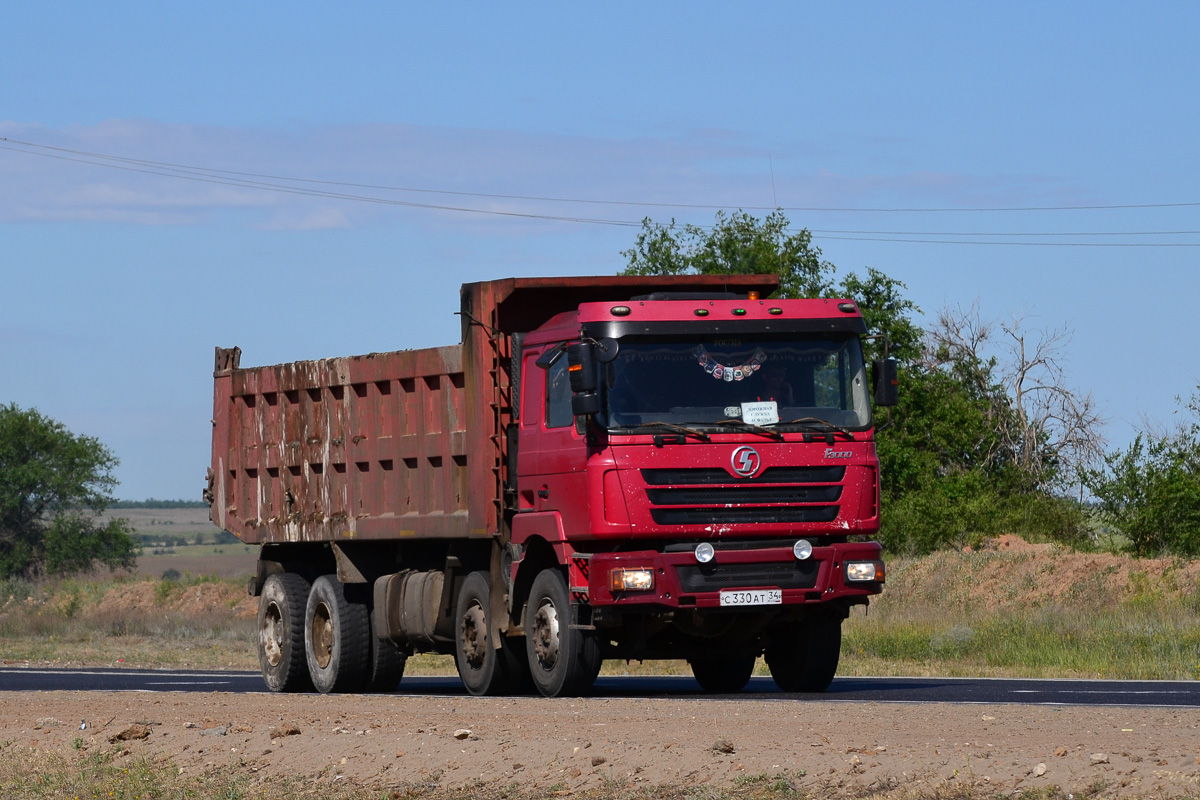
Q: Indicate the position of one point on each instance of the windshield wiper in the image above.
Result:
(750, 426)
(671, 426)
(831, 429)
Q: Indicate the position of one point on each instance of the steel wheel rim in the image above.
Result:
(473, 636)
(322, 635)
(545, 635)
(271, 634)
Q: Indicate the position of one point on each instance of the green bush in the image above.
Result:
(961, 510)
(1151, 490)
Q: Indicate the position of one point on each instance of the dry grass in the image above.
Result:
(1031, 611)
(198, 622)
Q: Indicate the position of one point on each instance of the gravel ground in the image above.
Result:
(561, 746)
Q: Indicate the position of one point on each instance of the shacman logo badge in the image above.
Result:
(746, 461)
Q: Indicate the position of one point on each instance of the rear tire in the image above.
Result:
(480, 665)
(281, 633)
(723, 675)
(386, 667)
(805, 658)
(337, 638)
(563, 661)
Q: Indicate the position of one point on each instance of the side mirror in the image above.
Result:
(607, 349)
(585, 404)
(581, 368)
(547, 359)
(887, 382)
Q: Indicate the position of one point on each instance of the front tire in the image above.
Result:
(281, 633)
(723, 675)
(336, 640)
(805, 658)
(563, 660)
(480, 665)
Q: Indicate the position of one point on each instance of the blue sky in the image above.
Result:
(119, 283)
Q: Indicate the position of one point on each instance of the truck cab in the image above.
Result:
(704, 465)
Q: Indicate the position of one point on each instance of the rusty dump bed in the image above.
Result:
(392, 445)
(368, 446)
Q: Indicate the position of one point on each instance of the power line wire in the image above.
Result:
(201, 177)
(551, 199)
(243, 180)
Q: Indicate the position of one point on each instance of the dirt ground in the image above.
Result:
(561, 746)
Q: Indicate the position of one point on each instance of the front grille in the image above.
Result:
(744, 514)
(708, 476)
(712, 577)
(745, 494)
(709, 496)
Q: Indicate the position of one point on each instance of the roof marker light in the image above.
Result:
(619, 311)
(775, 311)
(701, 312)
(739, 312)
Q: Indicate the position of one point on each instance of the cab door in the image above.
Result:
(552, 454)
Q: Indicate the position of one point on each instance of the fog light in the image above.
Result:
(631, 580)
(705, 552)
(802, 549)
(864, 571)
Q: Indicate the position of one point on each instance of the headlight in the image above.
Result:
(864, 571)
(631, 580)
(705, 552)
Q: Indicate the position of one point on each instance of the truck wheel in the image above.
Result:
(336, 638)
(805, 658)
(387, 666)
(723, 675)
(562, 660)
(480, 665)
(281, 633)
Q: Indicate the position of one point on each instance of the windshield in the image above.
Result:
(763, 381)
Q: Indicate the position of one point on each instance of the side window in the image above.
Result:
(531, 395)
(558, 396)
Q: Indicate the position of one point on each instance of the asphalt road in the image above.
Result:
(857, 690)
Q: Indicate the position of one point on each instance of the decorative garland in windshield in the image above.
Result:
(725, 373)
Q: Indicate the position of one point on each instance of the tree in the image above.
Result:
(53, 486)
(1048, 432)
(987, 438)
(1151, 490)
(738, 244)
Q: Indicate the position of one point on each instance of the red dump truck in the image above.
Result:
(605, 468)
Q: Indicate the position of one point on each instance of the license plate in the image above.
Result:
(752, 597)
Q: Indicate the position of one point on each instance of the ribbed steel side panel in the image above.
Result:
(371, 446)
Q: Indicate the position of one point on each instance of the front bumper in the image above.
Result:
(680, 581)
